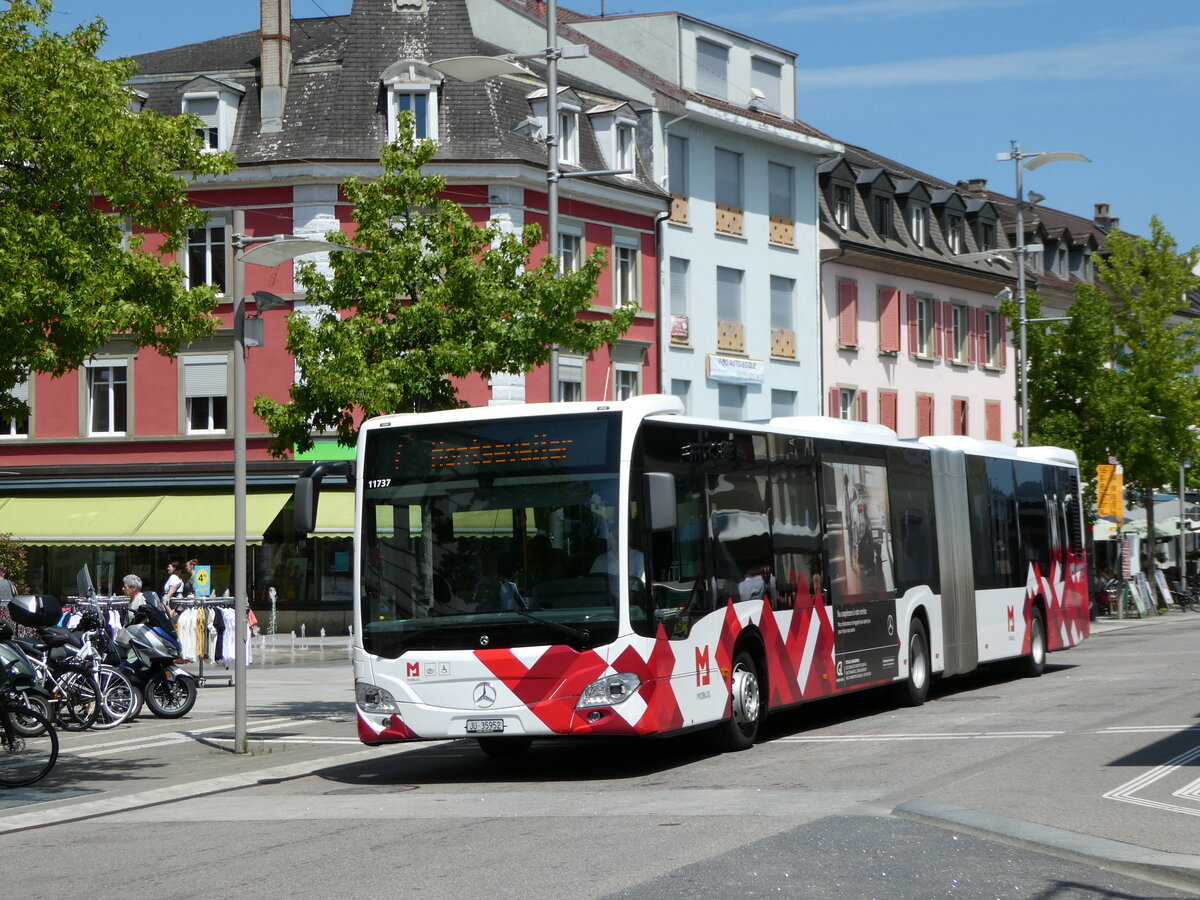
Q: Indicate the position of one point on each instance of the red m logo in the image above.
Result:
(1012, 620)
(412, 670)
(703, 669)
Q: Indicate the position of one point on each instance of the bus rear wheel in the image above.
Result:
(741, 728)
(1034, 664)
(914, 690)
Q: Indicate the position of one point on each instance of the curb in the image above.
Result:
(1179, 871)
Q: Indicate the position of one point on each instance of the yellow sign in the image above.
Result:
(1110, 490)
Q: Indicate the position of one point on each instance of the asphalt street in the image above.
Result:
(942, 836)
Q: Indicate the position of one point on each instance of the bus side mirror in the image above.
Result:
(308, 489)
(659, 497)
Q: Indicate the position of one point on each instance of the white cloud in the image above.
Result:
(1157, 54)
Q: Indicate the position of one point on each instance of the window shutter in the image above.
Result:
(205, 376)
(951, 344)
(913, 347)
(924, 415)
(889, 320)
(972, 334)
(847, 314)
(959, 407)
(862, 406)
(1002, 327)
(993, 420)
(887, 409)
(834, 408)
(939, 328)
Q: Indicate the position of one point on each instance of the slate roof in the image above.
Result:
(336, 107)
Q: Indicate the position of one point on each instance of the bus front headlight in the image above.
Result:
(609, 691)
(374, 700)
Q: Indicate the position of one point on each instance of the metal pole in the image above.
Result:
(239, 485)
(552, 150)
(1182, 533)
(1023, 361)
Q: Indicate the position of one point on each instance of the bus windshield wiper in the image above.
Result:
(580, 634)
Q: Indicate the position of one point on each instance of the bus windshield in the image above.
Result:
(499, 533)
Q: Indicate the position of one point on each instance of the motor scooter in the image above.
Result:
(148, 649)
(29, 691)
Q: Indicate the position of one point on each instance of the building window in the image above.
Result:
(921, 326)
(423, 106)
(570, 379)
(844, 403)
(712, 66)
(626, 383)
(731, 401)
(887, 409)
(570, 251)
(783, 328)
(626, 148)
(959, 331)
(959, 413)
(783, 403)
(677, 177)
(987, 236)
(918, 224)
(955, 235)
(205, 257)
(993, 339)
(729, 294)
(924, 415)
(568, 137)
(17, 427)
(206, 393)
(681, 389)
(841, 205)
(889, 320)
(992, 412)
(728, 191)
(766, 77)
(781, 204)
(882, 216)
(108, 398)
(847, 292)
(625, 276)
(208, 111)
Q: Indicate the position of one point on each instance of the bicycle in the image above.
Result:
(1184, 599)
(28, 741)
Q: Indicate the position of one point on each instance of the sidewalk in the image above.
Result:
(1110, 622)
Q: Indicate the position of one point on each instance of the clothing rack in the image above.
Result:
(197, 603)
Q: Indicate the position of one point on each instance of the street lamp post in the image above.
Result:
(268, 251)
(1030, 161)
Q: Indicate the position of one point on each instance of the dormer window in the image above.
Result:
(881, 216)
(569, 106)
(626, 154)
(614, 125)
(412, 86)
(955, 234)
(841, 205)
(766, 78)
(214, 102)
(918, 224)
(712, 68)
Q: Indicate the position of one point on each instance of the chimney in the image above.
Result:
(1104, 220)
(977, 186)
(275, 61)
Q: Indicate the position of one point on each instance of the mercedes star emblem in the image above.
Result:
(483, 640)
(485, 695)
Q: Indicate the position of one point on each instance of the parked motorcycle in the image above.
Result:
(31, 693)
(147, 650)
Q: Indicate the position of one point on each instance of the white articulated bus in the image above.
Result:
(623, 569)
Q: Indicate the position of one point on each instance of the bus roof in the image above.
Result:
(976, 447)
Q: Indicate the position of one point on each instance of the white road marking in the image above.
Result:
(1127, 792)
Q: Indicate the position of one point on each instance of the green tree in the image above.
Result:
(76, 164)
(435, 297)
(1118, 380)
(12, 556)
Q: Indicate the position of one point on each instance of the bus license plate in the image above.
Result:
(484, 726)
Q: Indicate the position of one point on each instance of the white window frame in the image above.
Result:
(571, 377)
(841, 210)
(18, 429)
(217, 130)
(201, 381)
(211, 275)
(626, 265)
(960, 331)
(955, 233)
(412, 78)
(568, 135)
(926, 327)
(918, 224)
(625, 146)
(90, 391)
(570, 248)
(991, 331)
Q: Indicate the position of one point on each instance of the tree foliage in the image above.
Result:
(76, 164)
(434, 297)
(1118, 379)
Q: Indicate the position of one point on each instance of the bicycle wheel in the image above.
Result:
(78, 699)
(117, 698)
(25, 760)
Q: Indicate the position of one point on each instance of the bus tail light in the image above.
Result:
(609, 691)
(374, 700)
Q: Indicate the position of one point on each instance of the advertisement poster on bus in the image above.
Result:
(861, 576)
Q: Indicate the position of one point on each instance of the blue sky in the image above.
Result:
(941, 85)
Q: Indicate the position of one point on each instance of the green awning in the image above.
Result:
(335, 514)
(144, 519)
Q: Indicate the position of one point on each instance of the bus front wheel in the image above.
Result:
(741, 728)
(915, 689)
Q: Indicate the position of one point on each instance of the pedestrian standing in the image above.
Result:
(173, 587)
